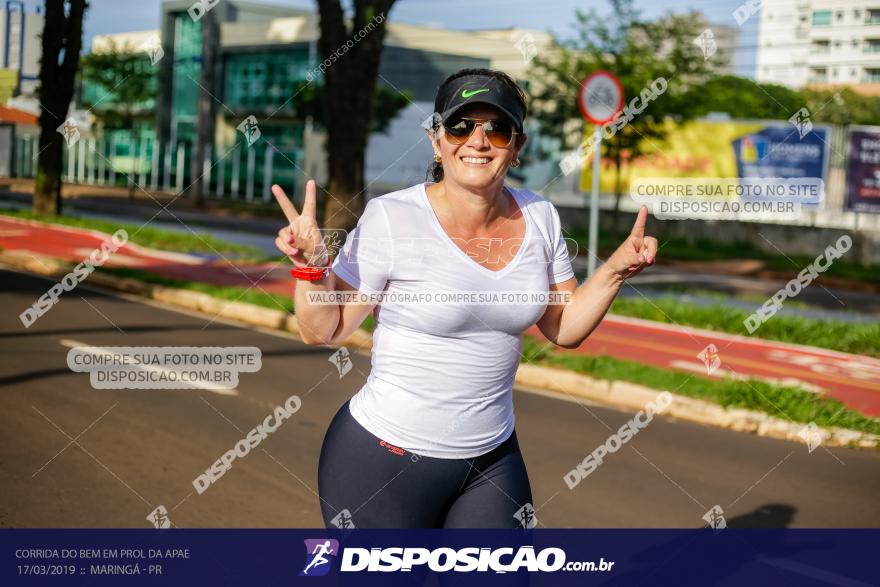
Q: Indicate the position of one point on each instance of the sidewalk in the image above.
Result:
(852, 379)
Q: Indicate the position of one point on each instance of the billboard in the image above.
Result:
(723, 149)
(863, 169)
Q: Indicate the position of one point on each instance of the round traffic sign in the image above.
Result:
(601, 97)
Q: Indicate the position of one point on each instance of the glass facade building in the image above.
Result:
(263, 59)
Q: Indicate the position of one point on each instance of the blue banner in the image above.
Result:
(729, 556)
(788, 152)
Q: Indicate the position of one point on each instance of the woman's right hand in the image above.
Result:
(301, 239)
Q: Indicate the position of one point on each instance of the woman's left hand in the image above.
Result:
(637, 251)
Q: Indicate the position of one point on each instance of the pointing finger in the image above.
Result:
(286, 205)
(638, 228)
(309, 202)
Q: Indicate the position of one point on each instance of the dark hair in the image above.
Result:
(436, 168)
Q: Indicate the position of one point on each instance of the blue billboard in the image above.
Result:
(793, 151)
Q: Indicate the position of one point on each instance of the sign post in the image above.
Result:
(594, 203)
(600, 99)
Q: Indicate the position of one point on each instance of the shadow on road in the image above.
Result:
(740, 549)
(774, 515)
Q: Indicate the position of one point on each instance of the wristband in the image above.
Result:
(310, 273)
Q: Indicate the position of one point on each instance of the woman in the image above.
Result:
(429, 440)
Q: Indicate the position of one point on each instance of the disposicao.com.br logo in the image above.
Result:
(322, 552)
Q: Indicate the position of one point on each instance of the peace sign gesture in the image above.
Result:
(637, 251)
(301, 239)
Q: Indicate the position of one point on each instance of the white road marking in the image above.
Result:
(862, 368)
(14, 232)
(720, 372)
(714, 335)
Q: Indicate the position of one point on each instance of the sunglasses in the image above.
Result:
(499, 132)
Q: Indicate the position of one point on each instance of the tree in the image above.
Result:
(743, 98)
(387, 104)
(124, 81)
(354, 52)
(61, 44)
(841, 106)
(638, 52)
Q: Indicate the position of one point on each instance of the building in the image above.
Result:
(266, 58)
(19, 50)
(264, 67)
(820, 42)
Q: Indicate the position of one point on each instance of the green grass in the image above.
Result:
(236, 294)
(784, 402)
(722, 298)
(147, 236)
(856, 338)
(680, 249)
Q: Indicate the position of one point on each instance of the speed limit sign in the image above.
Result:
(601, 97)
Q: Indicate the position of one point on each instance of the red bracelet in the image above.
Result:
(310, 273)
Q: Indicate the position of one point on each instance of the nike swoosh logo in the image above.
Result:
(469, 93)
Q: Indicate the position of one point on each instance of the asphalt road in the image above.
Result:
(72, 456)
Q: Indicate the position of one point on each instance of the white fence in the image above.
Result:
(237, 172)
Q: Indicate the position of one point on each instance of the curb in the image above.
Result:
(619, 394)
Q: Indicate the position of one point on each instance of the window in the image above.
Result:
(820, 47)
(261, 80)
(187, 67)
(857, 14)
(872, 16)
(872, 75)
(872, 45)
(823, 17)
(818, 74)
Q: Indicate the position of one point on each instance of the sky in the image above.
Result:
(114, 16)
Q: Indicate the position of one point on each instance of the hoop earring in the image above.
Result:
(515, 162)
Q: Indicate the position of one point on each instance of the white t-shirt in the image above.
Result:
(442, 373)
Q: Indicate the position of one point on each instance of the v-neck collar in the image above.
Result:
(435, 220)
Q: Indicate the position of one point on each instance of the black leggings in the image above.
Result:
(364, 482)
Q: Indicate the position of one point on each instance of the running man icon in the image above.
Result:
(320, 553)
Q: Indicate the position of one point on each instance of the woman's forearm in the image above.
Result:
(317, 322)
(592, 299)
(589, 303)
